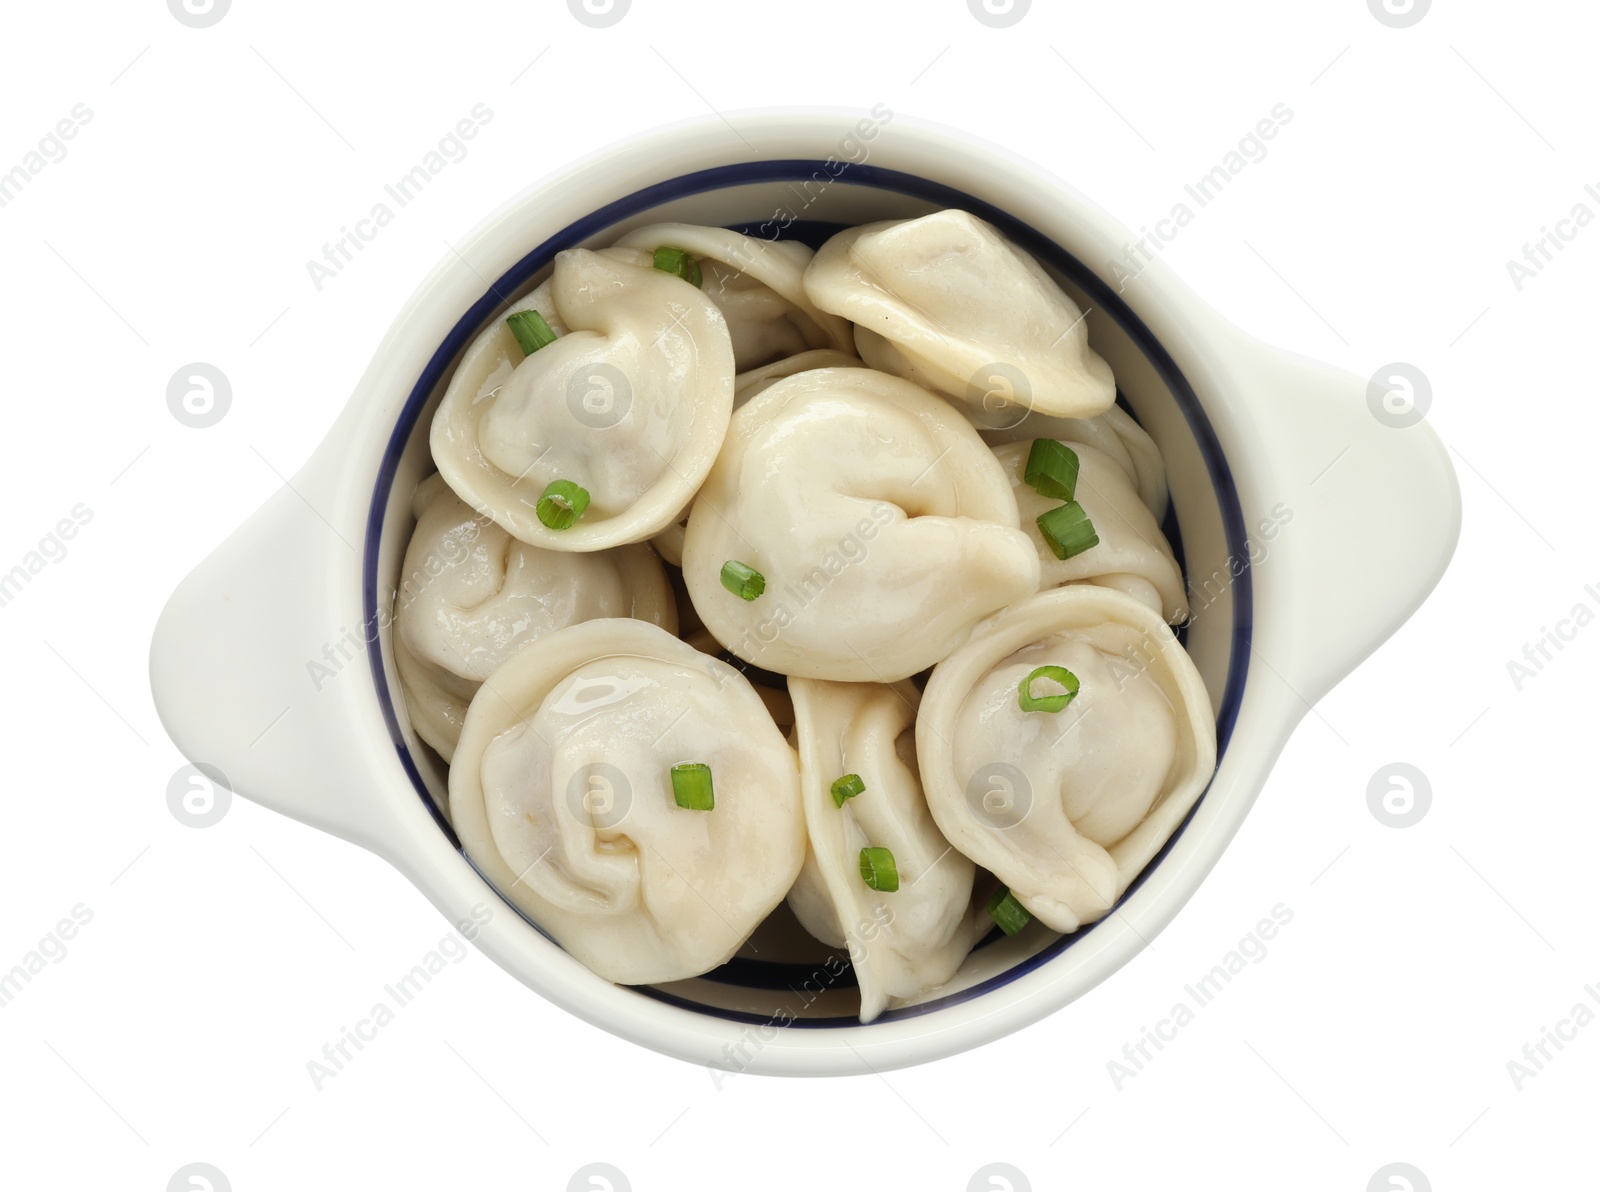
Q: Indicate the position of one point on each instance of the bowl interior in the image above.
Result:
(784, 973)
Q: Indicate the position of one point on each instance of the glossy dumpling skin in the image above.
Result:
(883, 526)
(747, 384)
(942, 299)
(757, 284)
(779, 706)
(471, 596)
(1066, 808)
(902, 943)
(631, 403)
(1132, 555)
(561, 794)
(1115, 433)
(669, 543)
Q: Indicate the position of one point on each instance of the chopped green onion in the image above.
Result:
(1047, 703)
(1052, 469)
(878, 870)
(562, 504)
(847, 787)
(531, 330)
(1067, 530)
(1005, 910)
(744, 582)
(678, 263)
(691, 786)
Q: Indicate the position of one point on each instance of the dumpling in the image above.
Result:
(747, 384)
(757, 284)
(1066, 805)
(876, 525)
(779, 704)
(1132, 555)
(907, 941)
(946, 301)
(630, 405)
(1114, 432)
(471, 596)
(569, 793)
(669, 543)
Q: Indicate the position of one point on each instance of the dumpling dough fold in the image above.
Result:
(631, 403)
(1066, 808)
(1114, 432)
(948, 302)
(747, 384)
(561, 794)
(669, 543)
(759, 287)
(1133, 555)
(901, 944)
(883, 527)
(471, 596)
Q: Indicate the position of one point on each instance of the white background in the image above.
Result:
(219, 961)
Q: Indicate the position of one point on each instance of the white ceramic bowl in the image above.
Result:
(1247, 432)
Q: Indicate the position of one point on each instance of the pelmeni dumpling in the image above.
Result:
(1066, 807)
(631, 404)
(1114, 432)
(1132, 555)
(757, 284)
(471, 596)
(669, 543)
(779, 704)
(881, 526)
(945, 299)
(563, 796)
(911, 940)
(747, 384)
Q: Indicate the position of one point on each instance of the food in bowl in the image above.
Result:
(261, 678)
(988, 718)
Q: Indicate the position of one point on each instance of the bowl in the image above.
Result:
(273, 661)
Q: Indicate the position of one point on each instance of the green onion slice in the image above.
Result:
(847, 787)
(691, 786)
(531, 330)
(677, 262)
(1067, 530)
(1005, 910)
(562, 504)
(744, 582)
(1052, 469)
(1047, 703)
(878, 870)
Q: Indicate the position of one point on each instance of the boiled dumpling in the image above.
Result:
(945, 299)
(1114, 432)
(1066, 805)
(779, 705)
(905, 942)
(880, 527)
(471, 596)
(669, 543)
(631, 405)
(1132, 555)
(757, 284)
(563, 794)
(747, 384)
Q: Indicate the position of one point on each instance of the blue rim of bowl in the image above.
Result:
(1104, 297)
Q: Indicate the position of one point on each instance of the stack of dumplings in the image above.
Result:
(731, 588)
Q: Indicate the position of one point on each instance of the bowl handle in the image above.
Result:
(1376, 512)
(258, 668)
